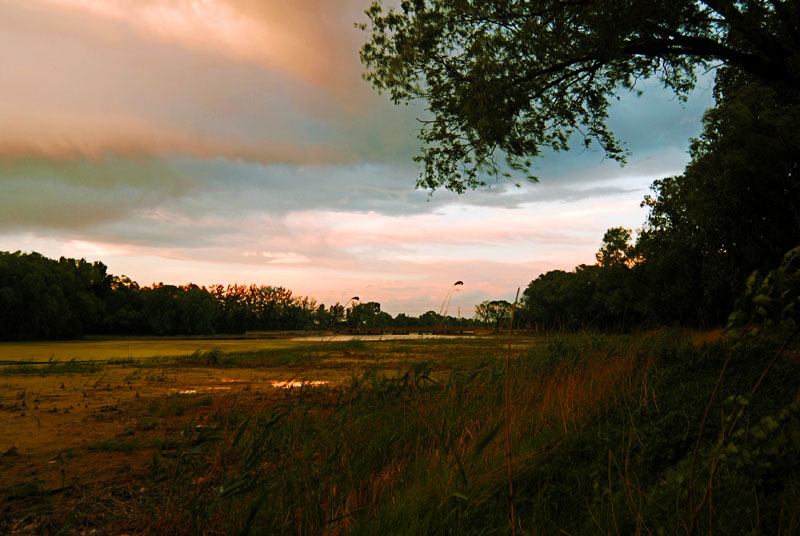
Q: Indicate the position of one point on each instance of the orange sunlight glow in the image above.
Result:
(296, 384)
(216, 26)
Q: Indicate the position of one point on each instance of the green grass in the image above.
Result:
(147, 423)
(117, 444)
(249, 359)
(52, 367)
(271, 357)
(102, 349)
(607, 437)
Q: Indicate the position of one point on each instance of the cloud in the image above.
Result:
(262, 82)
(313, 39)
(319, 230)
(284, 257)
(184, 202)
(233, 140)
(43, 195)
(80, 86)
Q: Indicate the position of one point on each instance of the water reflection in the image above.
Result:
(277, 384)
(381, 337)
(290, 384)
(195, 391)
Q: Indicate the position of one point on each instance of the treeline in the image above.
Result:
(735, 209)
(42, 298)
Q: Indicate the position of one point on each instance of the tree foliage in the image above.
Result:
(506, 79)
(735, 209)
(41, 298)
(367, 315)
(616, 249)
(589, 296)
(45, 298)
(495, 312)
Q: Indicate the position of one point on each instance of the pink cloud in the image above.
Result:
(313, 39)
(284, 257)
(322, 256)
(260, 81)
(64, 136)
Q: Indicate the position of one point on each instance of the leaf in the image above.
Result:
(458, 495)
(484, 441)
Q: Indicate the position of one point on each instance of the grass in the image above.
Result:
(52, 367)
(608, 435)
(116, 444)
(177, 404)
(102, 349)
(602, 430)
(271, 357)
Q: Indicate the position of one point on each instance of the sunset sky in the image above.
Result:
(222, 141)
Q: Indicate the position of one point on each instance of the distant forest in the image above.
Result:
(42, 298)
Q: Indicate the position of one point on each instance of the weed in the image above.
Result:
(176, 404)
(122, 361)
(147, 423)
(249, 359)
(606, 435)
(601, 431)
(53, 367)
(117, 444)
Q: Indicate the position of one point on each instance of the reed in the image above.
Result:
(605, 436)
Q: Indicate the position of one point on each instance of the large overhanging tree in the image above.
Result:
(505, 79)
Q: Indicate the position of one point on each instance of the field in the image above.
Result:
(137, 348)
(594, 434)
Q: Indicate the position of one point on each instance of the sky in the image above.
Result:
(235, 141)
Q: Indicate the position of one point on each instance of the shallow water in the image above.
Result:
(296, 384)
(383, 337)
(276, 384)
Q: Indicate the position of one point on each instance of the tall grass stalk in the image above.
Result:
(507, 419)
(601, 437)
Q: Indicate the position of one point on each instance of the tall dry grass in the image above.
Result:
(601, 433)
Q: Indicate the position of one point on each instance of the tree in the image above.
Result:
(735, 209)
(123, 307)
(510, 77)
(368, 315)
(44, 298)
(337, 314)
(197, 309)
(430, 319)
(559, 299)
(616, 248)
(493, 312)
